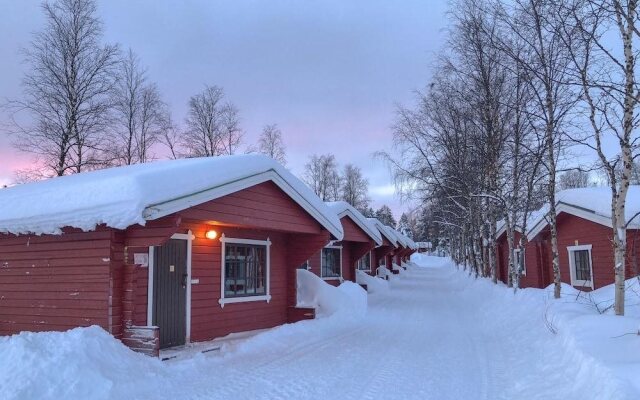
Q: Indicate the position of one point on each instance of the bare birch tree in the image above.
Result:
(272, 145)
(355, 187)
(604, 59)
(140, 115)
(544, 58)
(213, 125)
(321, 174)
(66, 90)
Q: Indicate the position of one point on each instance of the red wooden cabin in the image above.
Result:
(338, 260)
(584, 241)
(383, 254)
(159, 254)
(532, 264)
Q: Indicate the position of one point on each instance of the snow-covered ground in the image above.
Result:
(435, 334)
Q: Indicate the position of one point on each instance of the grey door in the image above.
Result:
(170, 292)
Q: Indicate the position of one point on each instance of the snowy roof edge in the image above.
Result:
(124, 196)
(343, 208)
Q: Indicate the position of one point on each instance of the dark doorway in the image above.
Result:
(170, 292)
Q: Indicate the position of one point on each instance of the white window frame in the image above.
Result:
(179, 236)
(572, 266)
(230, 300)
(331, 278)
(370, 262)
(516, 253)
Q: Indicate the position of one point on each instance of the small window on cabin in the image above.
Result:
(382, 262)
(245, 270)
(331, 262)
(364, 263)
(582, 265)
(305, 265)
(520, 261)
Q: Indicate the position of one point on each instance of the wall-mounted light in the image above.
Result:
(211, 234)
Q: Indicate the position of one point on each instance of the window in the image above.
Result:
(580, 266)
(305, 265)
(520, 261)
(245, 270)
(331, 262)
(382, 262)
(364, 263)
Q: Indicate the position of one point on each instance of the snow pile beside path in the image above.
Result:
(603, 347)
(348, 298)
(374, 284)
(423, 260)
(383, 272)
(601, 300)
(396, 267)
(337, 309)
(83, 363)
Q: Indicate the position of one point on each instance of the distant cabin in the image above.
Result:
(584, 241)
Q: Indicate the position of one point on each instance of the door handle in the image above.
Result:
(184, 280)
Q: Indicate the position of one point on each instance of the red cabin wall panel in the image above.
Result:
(352, 232)
(54, 282)
(262, 206)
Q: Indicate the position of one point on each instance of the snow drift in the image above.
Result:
(348, 298)
(374, 284)
(82, 363)
(604, 347)
(423, 260)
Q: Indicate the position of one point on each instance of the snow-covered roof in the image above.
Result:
(385, 231)
(533, 217)
(593, 204)
(342, 209)
(403, 239)
(124, 196)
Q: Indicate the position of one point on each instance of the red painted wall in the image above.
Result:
(571, 229)
(54, 282)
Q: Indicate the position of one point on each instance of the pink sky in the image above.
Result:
(329, 73)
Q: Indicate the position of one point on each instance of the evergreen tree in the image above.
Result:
(385, 215)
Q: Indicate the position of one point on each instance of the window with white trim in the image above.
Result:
(331, 262)
(245, 270)
(364, 263)
(520, 261)
(580, 265)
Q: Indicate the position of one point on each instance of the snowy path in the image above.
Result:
(427, 338)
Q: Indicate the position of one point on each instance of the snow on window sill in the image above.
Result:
(231, 300)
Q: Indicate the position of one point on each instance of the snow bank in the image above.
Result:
(383, 272)
(604, 347)
(337, 309)
(119, 197)
(348, 298)
(423, 260)
(83, 363)
(374, 284)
